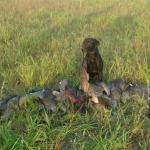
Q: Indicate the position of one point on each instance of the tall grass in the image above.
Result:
(40, 44)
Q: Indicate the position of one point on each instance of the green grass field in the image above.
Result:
(40, 44)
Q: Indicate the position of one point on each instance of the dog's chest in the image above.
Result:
(92, 63)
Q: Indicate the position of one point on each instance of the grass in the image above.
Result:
(40, 44)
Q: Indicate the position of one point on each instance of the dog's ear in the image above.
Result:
(85, 45)
(97, 43)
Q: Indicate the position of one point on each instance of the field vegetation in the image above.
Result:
(40, 43)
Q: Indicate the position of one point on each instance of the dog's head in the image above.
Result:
(90, 44)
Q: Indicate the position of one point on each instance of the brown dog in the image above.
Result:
(92, 62)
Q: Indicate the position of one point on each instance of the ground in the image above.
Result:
(40, 44)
